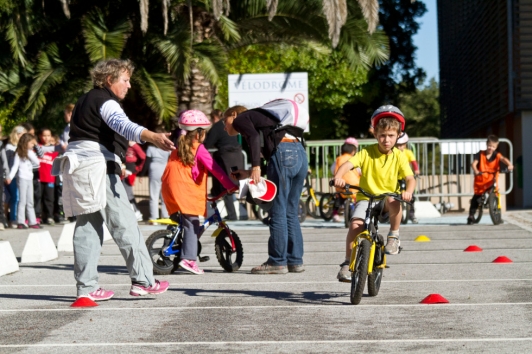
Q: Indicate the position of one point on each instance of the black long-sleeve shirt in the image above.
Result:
(249, 123)
(218, 138)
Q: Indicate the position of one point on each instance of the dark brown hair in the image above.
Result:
(388, 123)
(493, 139)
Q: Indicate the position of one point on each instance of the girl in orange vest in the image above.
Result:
(486, 168)
(184, 183)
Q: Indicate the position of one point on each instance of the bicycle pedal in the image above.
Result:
(204, 259)
(400, 249)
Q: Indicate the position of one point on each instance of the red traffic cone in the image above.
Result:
(434, 299)
(83, 302)
(502, 259)
(473, 248)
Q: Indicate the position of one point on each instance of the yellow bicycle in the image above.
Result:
(368, 259)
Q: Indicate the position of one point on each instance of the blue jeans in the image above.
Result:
(12, 188)
(287, 169)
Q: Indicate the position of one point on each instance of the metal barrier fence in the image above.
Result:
(445, 165)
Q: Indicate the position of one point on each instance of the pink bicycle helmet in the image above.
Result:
(403, 139)
(193, 119)
(351, 141)
(388, 111)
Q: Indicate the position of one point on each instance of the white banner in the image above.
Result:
(254, 90)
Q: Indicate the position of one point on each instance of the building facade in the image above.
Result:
(485, 51)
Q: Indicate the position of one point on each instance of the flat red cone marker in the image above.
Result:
(434, 299)
(502, 259)
(83, 302)
(473, 248)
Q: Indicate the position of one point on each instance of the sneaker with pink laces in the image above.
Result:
(158, 287)
(99, 295)
(191, 266)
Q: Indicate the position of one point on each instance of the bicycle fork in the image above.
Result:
(372, 250)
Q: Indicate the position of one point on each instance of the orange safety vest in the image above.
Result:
(484, 181)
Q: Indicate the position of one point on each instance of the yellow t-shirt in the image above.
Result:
(380, 172)
(409, 155)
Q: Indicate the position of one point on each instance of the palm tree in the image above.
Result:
(179, 47)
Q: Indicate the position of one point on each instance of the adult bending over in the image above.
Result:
(92, 191)
(287, 167)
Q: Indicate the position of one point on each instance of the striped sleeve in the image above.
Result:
(115, 117)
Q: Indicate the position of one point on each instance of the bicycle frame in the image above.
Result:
(369, 233)
(214, 218)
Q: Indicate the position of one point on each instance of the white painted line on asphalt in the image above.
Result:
(246, 343)
(258, 307)
(281, 282)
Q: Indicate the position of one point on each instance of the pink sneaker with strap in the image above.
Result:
(191, 266)
(99, 295)
(158, 287)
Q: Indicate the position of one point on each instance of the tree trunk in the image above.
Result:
(198, 92)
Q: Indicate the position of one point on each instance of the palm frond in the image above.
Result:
(272, 8)
(49, 72)
(158, 91)
(66, 10)
(229, 29)
(101, 42)
(177, 52)
(144, 10)
(370, 11)
(165, 15)
(335, 12)
(17, 41)
(209, 60)
(9, 80)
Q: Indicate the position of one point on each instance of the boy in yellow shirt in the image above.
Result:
(401, 145)
(382, 166)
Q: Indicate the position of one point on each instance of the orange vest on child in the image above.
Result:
(485, 180)
(179, 190)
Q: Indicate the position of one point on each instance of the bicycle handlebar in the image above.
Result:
(221, 195)
(369, 195)
(498, 171)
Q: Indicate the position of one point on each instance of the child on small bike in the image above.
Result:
(184, 183)
(348, 150)
(485, 166)
(401, 145)
(382, 166)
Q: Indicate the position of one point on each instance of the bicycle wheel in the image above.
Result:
(358, 278)
(478, 213)
(155, 243)
(229, 260)
(312, 208)
(375, 278)
(326, 206)
(495, 211)
(302, 211)
(347, 212)
(404, 213)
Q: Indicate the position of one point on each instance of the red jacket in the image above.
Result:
(45, 168)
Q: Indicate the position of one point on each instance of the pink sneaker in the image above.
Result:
(99, 295)
(191, 266)
(158, 288)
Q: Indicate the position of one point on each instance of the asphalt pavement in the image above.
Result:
(489, 309)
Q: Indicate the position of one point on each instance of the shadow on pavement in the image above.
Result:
(309, 297)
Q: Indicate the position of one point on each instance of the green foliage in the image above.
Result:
(332, 83)
(422, 110)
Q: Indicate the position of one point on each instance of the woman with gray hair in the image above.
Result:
(92, 190)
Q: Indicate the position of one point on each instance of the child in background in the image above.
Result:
(382, 166)
(184, 180)
(348, 150)
(12, 195)
(401, 145)
(50, 152)
(486, 167)
(23, 170)
(135, 158)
